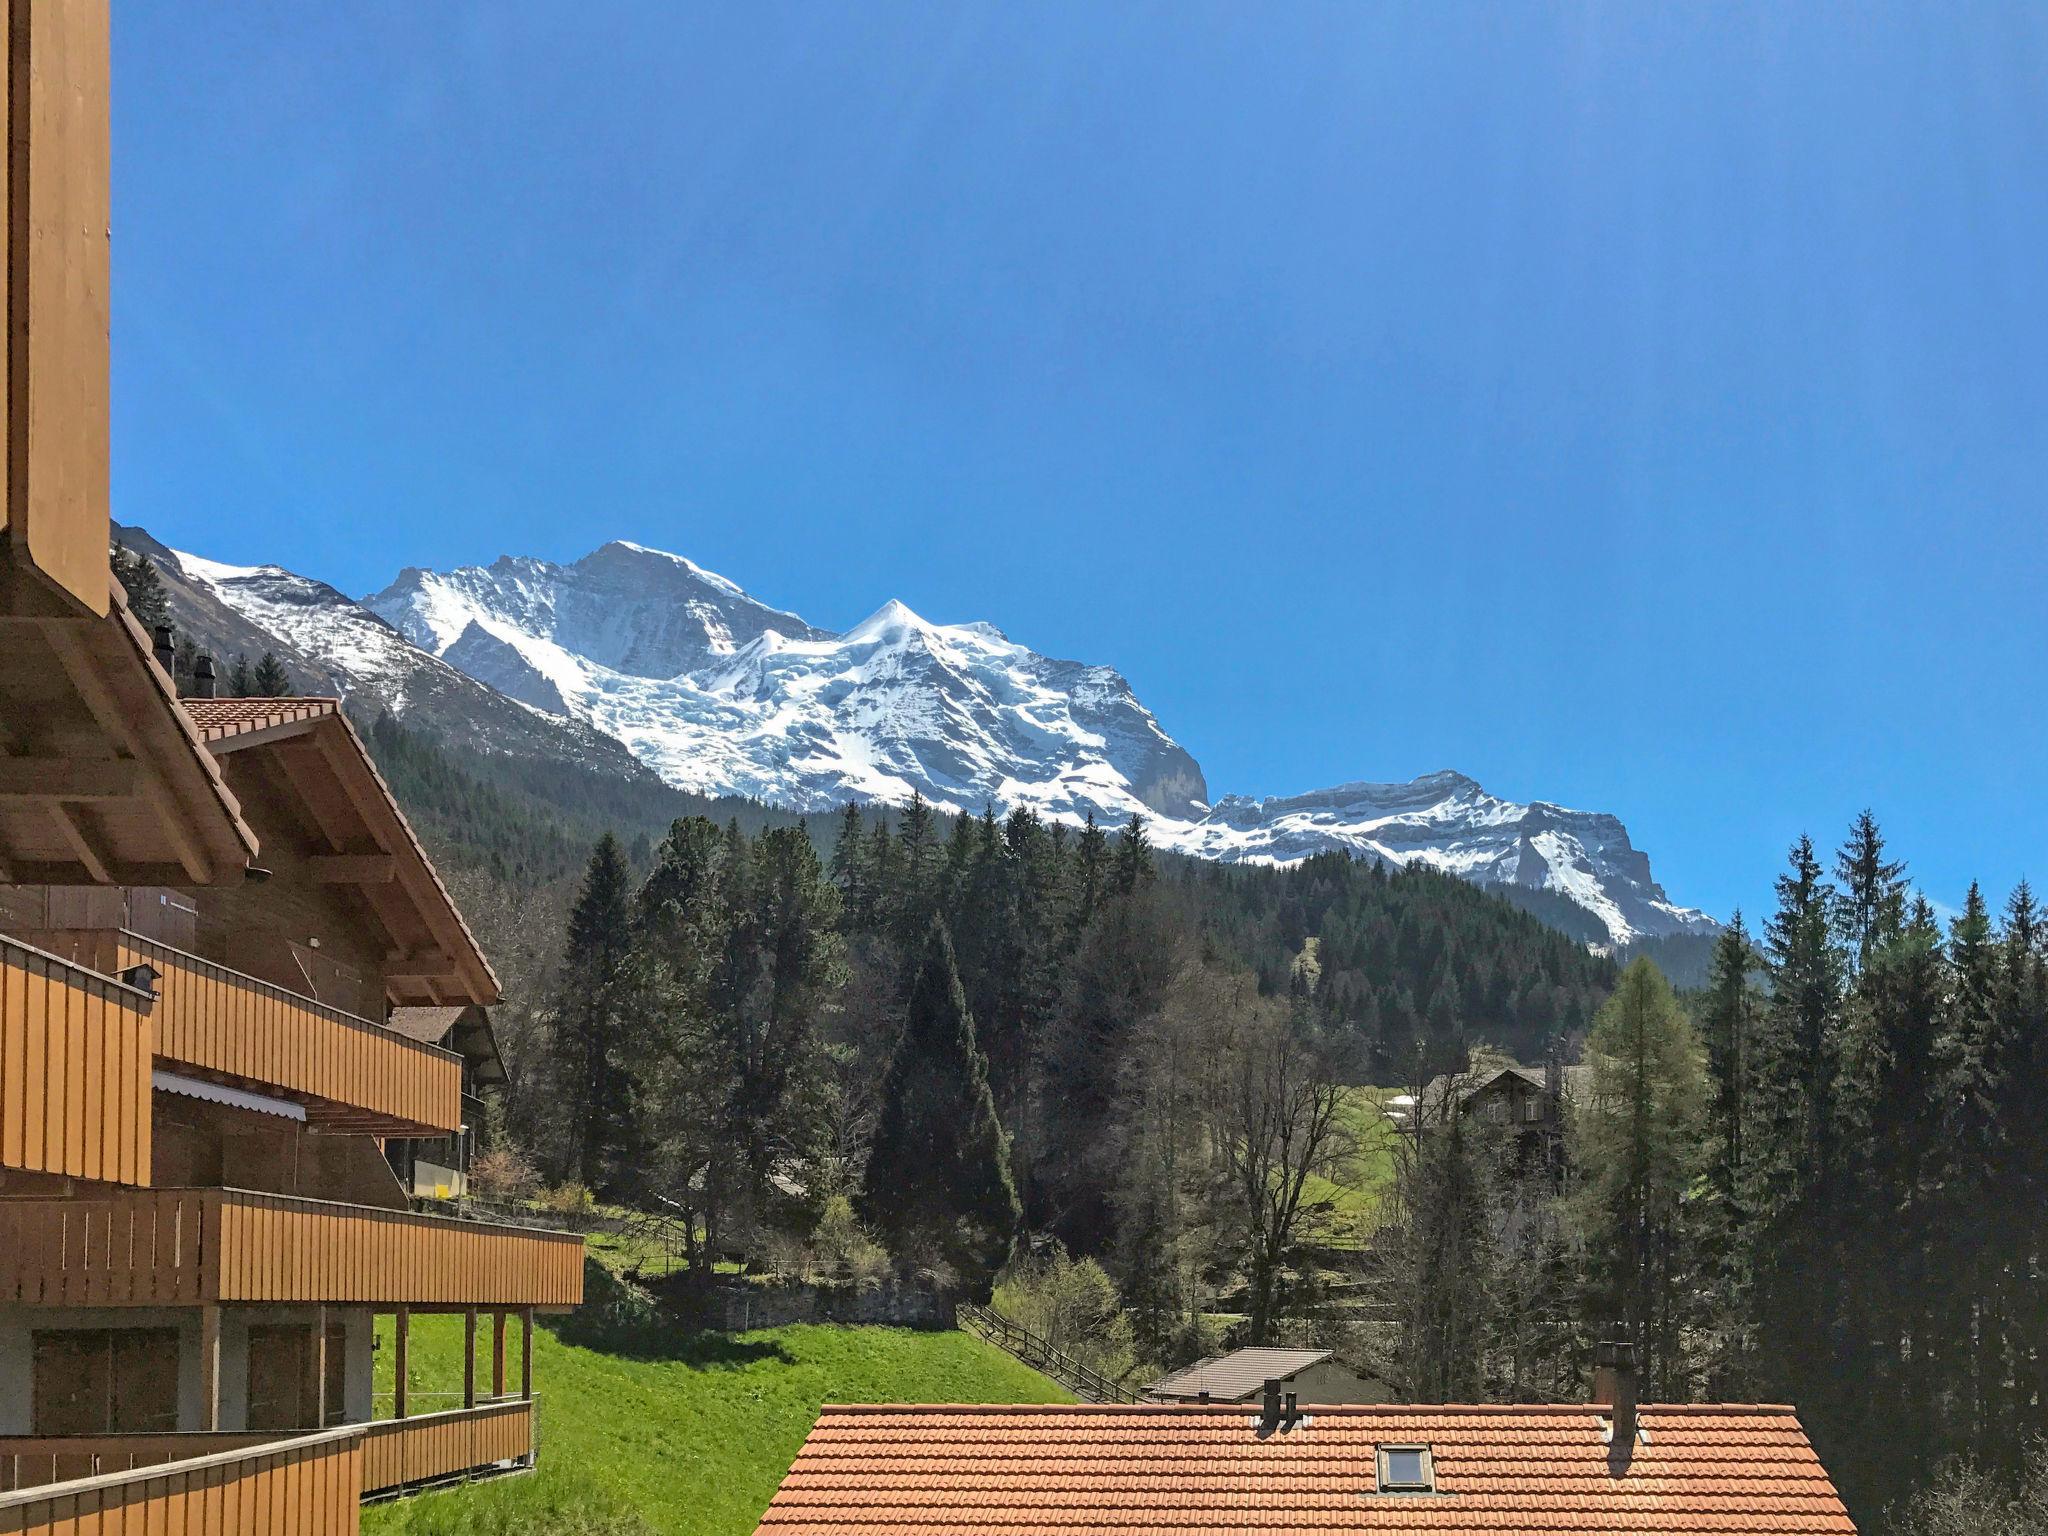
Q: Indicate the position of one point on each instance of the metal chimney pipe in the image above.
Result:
(203, 681)
(1269, 1402)
(165, 648)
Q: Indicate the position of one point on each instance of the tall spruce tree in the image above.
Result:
(1637, 1146)
(1871, 910)
(270, 680)
(143, 586)
(596, 1018)
(938, 1187)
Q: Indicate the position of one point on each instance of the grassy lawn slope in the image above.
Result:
(692, 1443)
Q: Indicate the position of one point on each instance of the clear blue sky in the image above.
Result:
(1641, 407)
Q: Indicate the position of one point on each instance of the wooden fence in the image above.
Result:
(1086, 1383)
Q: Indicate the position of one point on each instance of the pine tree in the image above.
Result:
(1637, 1149)
(938, 1183)
(1133, 862)
(147, 600)
(1091, 858)
(1872, 908)
(595, 1023)
(853, 869)
(239, 681)
(1731, 1006)
(270, 681)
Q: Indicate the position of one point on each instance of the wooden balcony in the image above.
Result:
(201, 1246)
(350, 1073)
(309, 1485)
(75, 1051)
(402, 1453)
(396, 1453)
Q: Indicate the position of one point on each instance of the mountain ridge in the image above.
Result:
(637, 656)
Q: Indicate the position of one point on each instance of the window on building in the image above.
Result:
(105, 1381)
(1407, 1469)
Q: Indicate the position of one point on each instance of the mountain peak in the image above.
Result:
(890, 621)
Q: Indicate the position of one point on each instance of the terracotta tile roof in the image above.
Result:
(219, 719)
(1208, 1471)
(1238, 1375)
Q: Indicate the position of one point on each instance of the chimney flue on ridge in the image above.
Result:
(1269, 1404)
(203, 678)
(1614, 1385)
(164, 647)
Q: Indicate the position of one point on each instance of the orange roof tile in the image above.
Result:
(220, 719)
(1209, 1471)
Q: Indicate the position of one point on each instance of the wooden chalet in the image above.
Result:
(209, 910)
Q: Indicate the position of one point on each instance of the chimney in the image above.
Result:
(1293, 1408)
(1269, 1404)
(203, 677)
(1614, 1386)
(165, 649)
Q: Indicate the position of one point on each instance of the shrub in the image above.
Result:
(503, 1174)
(843, 1246)
(1073, 1306)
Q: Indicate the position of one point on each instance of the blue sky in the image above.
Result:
(1638, 407)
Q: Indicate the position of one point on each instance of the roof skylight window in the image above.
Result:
(1407, 1469)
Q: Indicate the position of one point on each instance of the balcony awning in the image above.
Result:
(220, 1093)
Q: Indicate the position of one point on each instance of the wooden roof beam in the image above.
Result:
(84, 845)
(70, 778)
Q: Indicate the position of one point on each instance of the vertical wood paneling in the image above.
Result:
(218, 1020)
(74, 1070)
(309, 1486)
(398, 1452)
(182, 1247)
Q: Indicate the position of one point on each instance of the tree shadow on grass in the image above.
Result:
(619, 1318)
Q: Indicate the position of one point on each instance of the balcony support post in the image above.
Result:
(209, 1367)
(526, 1353)
(319, 1393)
(401, 1335)
(469, 1357)
(498, 1353)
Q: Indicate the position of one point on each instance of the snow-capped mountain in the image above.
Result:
(631, 658)
(330, 644)
(722, 694)
(1448, 821)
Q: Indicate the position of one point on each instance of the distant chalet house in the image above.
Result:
(1529, 1104)
(1208, 1470)
(437, 1168)
(1308, 1375)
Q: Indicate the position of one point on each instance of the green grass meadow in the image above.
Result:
(691, 1442)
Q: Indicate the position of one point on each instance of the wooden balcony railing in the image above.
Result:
(36, 1461)
(352, 1073)
(309, 1485)
(187, 1246)
(398, 1453)
(75, 1050)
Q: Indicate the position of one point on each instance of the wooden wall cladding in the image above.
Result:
(75, 1059)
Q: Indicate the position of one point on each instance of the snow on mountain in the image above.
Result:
(332, 645)
(1448, 821)
(723, 694)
